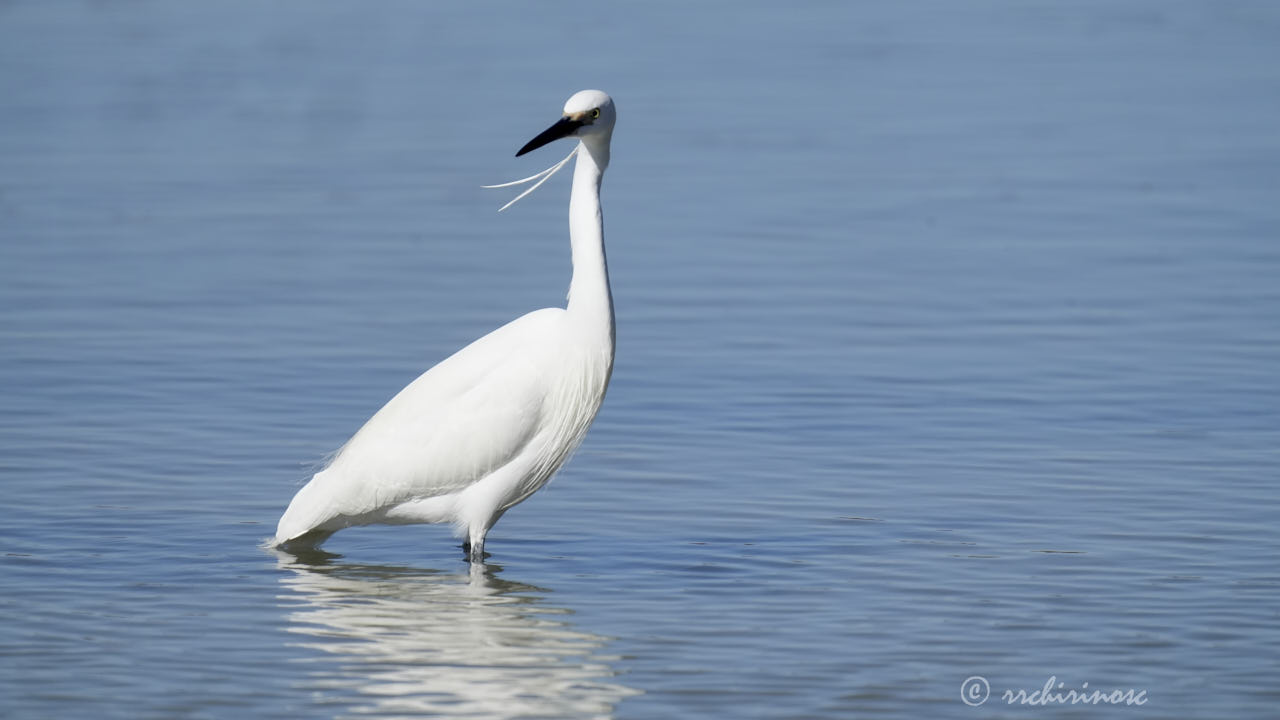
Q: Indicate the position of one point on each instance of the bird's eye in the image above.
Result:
(595, 113)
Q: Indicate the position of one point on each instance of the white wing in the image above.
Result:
(467, 416)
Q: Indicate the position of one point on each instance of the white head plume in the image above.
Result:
(540, 177)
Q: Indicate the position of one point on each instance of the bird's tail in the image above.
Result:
(301, 526)
(305, 543)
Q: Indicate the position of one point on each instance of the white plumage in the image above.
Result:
(488, 426)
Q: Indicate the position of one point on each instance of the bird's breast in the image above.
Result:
(573, 399)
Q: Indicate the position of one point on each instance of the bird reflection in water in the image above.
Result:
(424, 643)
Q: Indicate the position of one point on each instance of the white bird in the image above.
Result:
(488, 426)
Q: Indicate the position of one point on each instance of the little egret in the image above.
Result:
(489, 426)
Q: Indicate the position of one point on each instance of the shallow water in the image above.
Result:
(948, 346)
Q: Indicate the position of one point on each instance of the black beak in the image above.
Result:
(563, 127)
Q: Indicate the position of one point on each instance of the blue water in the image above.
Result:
(949, 346)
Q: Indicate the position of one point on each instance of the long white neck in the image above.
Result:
(590, 300)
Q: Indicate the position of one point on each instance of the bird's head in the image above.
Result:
(589, 114)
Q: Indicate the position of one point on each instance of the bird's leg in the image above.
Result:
(474, 545)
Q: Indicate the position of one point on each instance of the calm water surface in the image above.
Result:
(949, 338)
